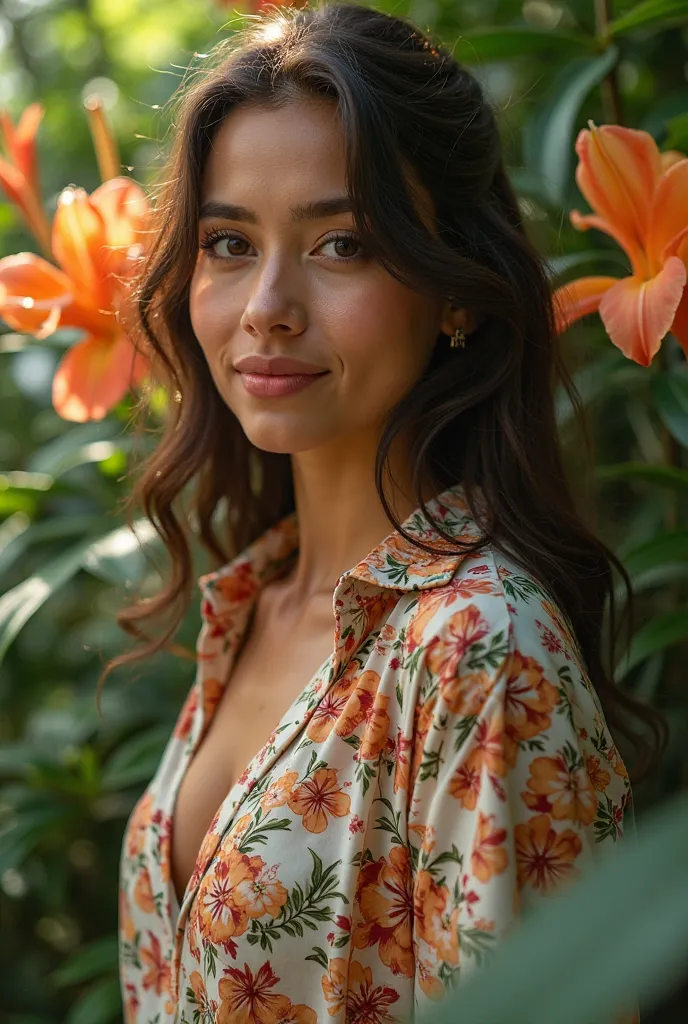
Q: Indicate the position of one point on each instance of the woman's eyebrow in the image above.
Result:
(318, 210)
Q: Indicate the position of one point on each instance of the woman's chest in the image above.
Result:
(277, 876)
(267, 678)
(313, 863)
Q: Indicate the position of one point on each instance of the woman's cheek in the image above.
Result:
(213, 316)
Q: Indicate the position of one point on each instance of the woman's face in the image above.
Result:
(280, 274)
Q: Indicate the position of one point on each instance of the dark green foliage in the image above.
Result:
(69, 778)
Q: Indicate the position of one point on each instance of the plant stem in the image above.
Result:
(611, 96)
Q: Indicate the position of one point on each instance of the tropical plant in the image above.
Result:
(97, 241)
(68, 383)
(640, 199)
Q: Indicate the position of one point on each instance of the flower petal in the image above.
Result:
(37, 298)
(20, 192)
(24, 143)
(678, 246)
(33, 293)
(79, 240)
(584, 221)
(125, 210)
(93, 376)
(618, 171)
(578, 298)
(12, 182)
(669, 157)
(127, 217)
(638, 314)
(679, 328)
(25, 273)
(669, 212)
(104, 142)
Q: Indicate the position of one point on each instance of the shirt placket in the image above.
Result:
(351, 630)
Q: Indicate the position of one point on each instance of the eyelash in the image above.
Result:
(212, 237)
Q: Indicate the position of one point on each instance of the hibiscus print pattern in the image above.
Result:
(446, 768)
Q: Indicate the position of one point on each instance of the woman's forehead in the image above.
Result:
(287, 155)
(298, 147)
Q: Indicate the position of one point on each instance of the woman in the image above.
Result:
(398, 738)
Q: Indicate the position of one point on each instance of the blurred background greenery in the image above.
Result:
(69, 777)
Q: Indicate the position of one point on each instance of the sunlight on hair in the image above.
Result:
(273, 31)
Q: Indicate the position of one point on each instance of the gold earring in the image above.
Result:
(458, 338)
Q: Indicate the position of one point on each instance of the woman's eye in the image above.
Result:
(211, 243)
(344, 248)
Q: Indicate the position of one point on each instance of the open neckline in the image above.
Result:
(253, 771)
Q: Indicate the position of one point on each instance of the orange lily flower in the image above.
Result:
(640, 198)
(19, 172)
(104, 142)
(97, 241)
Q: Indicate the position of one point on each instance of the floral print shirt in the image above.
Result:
(447, 767)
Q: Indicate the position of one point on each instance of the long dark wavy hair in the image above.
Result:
(482, 415)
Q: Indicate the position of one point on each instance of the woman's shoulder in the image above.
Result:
(495, 606)
(497, 654)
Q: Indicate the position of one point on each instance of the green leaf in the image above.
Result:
(662, 476)
(136, 759)
(670, 392)
(677, 133)
(664, 551)
(16, 758)
(119, 557)
(101, 1004)
(548, 142)
(501, 43)
(11, 537)
(14, 500)
(115, 557)
(29, 827)
(535, 976)
(560, 265)
(653, 12)
(317, 872)
(591, 381)
(667, 118)
(18, 533)
(19, 481)
(19, 603)
(649, 677)
(319, 956)
(77, 446)
(99, 957)
(656, 635)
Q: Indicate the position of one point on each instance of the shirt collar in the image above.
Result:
(396, 563)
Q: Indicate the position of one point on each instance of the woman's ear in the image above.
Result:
(459, 316)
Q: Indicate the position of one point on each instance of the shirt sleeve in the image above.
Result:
(515, 784)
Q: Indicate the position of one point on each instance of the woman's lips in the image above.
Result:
(263, 385)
